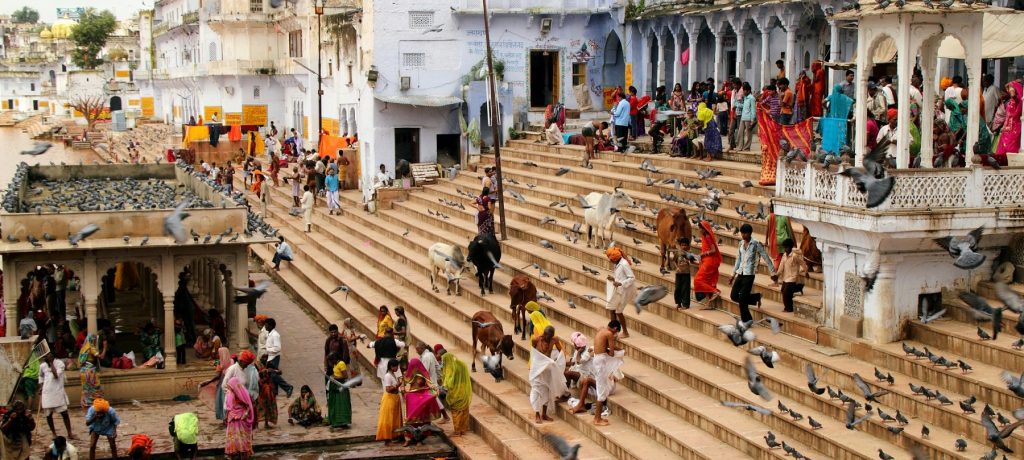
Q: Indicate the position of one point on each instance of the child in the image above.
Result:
(792, 267)
(684, 263)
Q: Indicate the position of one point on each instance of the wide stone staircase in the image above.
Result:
(678, 366)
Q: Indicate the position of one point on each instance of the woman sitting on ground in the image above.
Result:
(305, 411)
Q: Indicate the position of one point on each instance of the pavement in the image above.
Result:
(302, 364)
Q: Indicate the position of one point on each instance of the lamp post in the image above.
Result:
(318, 8)
(492, 116)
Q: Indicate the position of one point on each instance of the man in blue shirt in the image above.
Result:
(283, 252)
(621, 118)
(743, 272)
(102, 421)
(332, 183)
(747, 114)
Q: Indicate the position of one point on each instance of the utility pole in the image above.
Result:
(492, 117)
(319, 10)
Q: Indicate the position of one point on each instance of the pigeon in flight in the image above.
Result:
(562, 447)
(251, 293)
(963, 248)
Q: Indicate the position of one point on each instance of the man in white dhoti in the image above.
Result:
(55, 399)
(547, 373)
(607, 359)
(307, 208)
(621, 287)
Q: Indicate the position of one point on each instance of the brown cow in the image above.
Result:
(811, 253)
(488, 331)
(672, 224)
(520, 291)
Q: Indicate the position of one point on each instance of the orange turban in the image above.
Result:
(259, 318)
(247, 357)
(945, 82)
(100, 405)
(891, 114)
(614, 254)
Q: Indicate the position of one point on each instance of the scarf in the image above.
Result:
(456, 380)
(89, 349)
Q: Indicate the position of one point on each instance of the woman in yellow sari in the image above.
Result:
(389, 416)
(539, 322)
(457, 382)
(384, 321)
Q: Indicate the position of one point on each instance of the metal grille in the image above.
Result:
(255, 6)
(414, 59)
(853, 295)
(421, 19)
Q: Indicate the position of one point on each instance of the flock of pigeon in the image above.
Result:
(882, 4)
(83, 194)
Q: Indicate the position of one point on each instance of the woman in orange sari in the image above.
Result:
(705, 283)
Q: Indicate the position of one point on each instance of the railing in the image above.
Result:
(914, 189)
(190, 18)
(530, 6)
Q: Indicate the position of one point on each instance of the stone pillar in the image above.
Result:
(791, 67)
(645, 64)
(834, 53)
(691, 66)
(241, 313)
(741, 51)
(904, 69)
(928, 52)
(860, 107)
(677, 63)
(170, 354)
(719, 37)
(661, 59)
(974, 101)
(766, 59)
(11, 316)
(90, 315)
(880, 312)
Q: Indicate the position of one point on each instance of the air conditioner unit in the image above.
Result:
(406, 82)
(545, 26)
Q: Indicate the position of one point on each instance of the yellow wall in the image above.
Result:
(254, 115)
(209, 110)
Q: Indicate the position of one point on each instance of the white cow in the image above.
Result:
(601, 214)
(448, 261)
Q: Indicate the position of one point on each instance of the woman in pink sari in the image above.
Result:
(421, 406)
(238, 443)
(1009, 138)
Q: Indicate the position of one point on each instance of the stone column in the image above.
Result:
(719, 37)
(881, 319)
(860, 107)
(170, 354)
(766, 59)
(904, 69)
(791, 67)
(834, 53)
(691, 66)
(645, 64)
(974, 101)
(661, 59)
(90, 315)
(741, 52)
(677, 63)
(12, 290)
(11, 316)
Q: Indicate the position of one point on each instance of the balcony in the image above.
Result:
(241, 67)
(111, 88)
(533, 6)
(188, 21)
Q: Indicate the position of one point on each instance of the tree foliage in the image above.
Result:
(90, 35)
(25, 15)
(90, 105)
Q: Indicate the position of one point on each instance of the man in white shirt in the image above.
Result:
(954, 91)
(990, 95)
(261, 338)
(307, 208)
(381, 179)
(54, 400)
(890, 96)
(621, 287)
(889, 131)
(274, 356)
(915, 91)
(283, 252)
(59, 449)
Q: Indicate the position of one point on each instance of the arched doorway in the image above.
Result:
(115, 103)
(613, 69)
(655, 51)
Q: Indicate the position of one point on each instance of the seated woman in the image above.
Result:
(207, 344)
(305, 411)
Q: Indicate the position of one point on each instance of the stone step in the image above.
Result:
(645, 145)
(639, 408)
(839, 414)
(645, 272)
(497, 423)
(733, 173)
(538, 207)
(624, 443)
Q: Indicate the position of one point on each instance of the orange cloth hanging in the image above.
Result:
(235, 134)
(329, 145)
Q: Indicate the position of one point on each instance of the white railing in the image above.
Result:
(914, 188)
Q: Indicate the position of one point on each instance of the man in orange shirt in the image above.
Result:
(786, 100)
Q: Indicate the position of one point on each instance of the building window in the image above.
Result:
(255, 92)
(213, 51)
(31, 86)
(255, 6)
(579, 73)
(295, 44)
(421, 19)
(415, 60)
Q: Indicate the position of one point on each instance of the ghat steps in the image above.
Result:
(672, 365)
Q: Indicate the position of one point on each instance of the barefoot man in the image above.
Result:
(547, 373)
(621, 287)
(608, 355)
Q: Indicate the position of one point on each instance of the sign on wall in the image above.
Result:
(147, 106)
(133, 102)
(254, 115)
(209, 110)
(123, 74)
(629, 75)
(232, 118)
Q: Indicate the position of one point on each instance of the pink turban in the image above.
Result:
(578, 339)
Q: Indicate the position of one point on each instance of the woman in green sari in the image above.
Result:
(457, 382)
(339, 401)
(305, 411)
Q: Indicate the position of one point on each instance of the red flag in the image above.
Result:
(770, 132)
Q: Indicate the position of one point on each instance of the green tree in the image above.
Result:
(90, 35)
(25, 15)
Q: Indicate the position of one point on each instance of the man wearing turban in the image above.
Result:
(102, 421)
(889, 131)
(621, 287)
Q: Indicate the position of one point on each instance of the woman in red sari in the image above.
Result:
(421, 406)
(819, 83)
(705, 283)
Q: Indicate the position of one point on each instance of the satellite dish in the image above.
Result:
(276, 3)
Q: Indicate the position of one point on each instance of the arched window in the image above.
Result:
(352, 121)
(807, 59)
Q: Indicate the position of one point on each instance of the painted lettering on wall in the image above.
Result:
(512, 52)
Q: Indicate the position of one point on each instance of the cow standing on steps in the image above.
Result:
(448, 261)
(520, 291)
(488, 332)
(484, 253)
(671, 224)
(600, 214)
